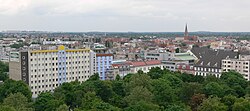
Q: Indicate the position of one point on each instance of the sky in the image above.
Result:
(125, 15)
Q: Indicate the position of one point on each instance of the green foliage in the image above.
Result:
(174, 81)
(94, 77)
(11, 87)
(177, 50)
(214, 88)
(143, 106)
(164, 93)
(158, 90)
(233, 79)
(212, 104)
(175, 107)
(229, 100)
(139, 80)
(92, 102)
(241, 105)
(18, 101)
(63, 107)
(188, 90)
(46, 102)
(6, 108)
(3, 69)
(137, 95)
(155, 73)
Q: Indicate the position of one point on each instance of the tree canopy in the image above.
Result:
(157, 90)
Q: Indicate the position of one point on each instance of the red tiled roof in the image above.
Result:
(138, 63)
(153, 62)
(98, 55)
(144, 63)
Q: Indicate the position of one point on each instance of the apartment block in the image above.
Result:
(103, 64)
(241, 65)
(44, 70)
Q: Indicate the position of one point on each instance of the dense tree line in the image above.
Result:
(4, 68)
(157, 90)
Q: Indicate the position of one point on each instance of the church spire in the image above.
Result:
(186, 31)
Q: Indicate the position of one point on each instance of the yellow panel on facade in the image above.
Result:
(61, 47)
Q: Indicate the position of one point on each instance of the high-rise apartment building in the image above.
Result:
(44, 70)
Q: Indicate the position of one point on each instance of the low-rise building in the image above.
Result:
(145, 66)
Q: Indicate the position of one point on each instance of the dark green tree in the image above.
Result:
(155, 73)
(46, 102)
(164, 94)
(213, 88)
(143, 106)
(11, 87)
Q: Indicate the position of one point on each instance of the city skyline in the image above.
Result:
(124, 16)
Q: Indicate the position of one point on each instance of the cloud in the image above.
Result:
(149, 15)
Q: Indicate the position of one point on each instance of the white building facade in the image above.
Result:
(44, 70)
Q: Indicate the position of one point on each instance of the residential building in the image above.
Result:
(44, 70)
(209, 60)
(103, 64)
(241, 65)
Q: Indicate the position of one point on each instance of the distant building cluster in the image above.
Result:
(45, 61)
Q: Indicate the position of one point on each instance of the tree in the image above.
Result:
(164, 94)
(63, 107)
(18, 101)
(233, 78)
(3, 76)
(11, 87)
(196, 100)
(212, 104)
(139, 80)
(175, 107)
(92, 102)
(140, 72)
(94, 77)
(6, 108)
(177, 50)
(118, 77)
(67, 91)
(235, 81)
(229, 100)
(119, 88)
(136, 95)
(143, 106)
(213, 88)
(155, 73)
(3, 69)
(188, 90)
(175, 82)
(46, 102)
(241, 105)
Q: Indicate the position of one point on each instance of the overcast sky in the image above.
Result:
(125, 15)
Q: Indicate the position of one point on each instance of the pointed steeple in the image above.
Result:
(186, 31)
